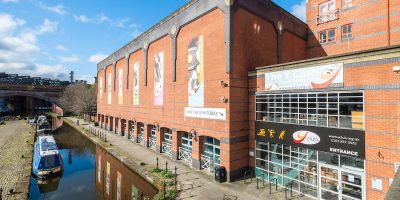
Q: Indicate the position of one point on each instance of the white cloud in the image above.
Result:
(19, 48)
(9, 1)
(104, 19)
(69, 59)
(99, 19)
(61, 48)
(299, 10)
(96, 58)
(47, 27)
(58, 9)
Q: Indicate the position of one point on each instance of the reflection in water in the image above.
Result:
(86, 169)
(114, 180)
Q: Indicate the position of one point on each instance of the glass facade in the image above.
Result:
(304, 170)
(343, 110)
(211, 149)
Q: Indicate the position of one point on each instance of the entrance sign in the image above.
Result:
(206, 113)
(339, 141)
(305, 78)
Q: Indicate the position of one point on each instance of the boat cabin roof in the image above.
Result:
(47, 145)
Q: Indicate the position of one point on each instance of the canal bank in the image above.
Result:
(16, 147)
(192, 184)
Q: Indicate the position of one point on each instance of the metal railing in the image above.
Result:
(185, 155)
(166, 148)
(328, 16)
(207, 163)
(131, 135)
(152, 143)
(141, 138)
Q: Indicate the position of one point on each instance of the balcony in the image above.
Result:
(152, 143)
(328, 16)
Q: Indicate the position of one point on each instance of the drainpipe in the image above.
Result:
(388, 21)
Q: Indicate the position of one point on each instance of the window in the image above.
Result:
(347, 4)
(327, 12)
(327, 36)
(322, 37)
(347, 31)
(331, 35)
(324, 109)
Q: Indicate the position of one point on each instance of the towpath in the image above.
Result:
(16, 145)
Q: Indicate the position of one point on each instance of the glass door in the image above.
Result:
(351, 184)
(340, 183)
(329, 182)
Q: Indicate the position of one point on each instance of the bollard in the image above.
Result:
(105, 138)
(141, 195)
(1, 193)
(286, 193)
(157, 163)
(257, 183)
(166, 166)
(175, 176)
(164, 189)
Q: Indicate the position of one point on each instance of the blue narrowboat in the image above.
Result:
(47, 160)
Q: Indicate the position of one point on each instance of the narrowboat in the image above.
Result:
(47, 160)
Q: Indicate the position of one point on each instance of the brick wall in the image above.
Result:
(370, 26)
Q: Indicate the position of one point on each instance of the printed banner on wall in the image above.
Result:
(109, 88)
(108, 179)
(120, 95)
(159, 79)
(206, 113)
(136, 83)
(101, 89)
(134, 191)
(340, 141)
(99, 170)
(196, 73)
(306, 78)
(119, 186)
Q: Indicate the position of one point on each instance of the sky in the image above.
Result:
(49, 38)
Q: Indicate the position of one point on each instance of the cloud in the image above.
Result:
(47, 27)
(9, 1)
(299, 10)
(96, 58)
(19, 48)
(61, 48)
(58, 9)
(135, 33)
(99, 19)
(69, 59)
(104, 19)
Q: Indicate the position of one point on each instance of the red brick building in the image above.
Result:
(192, 88)
(344, 26)
(181, 87)
(327, 126)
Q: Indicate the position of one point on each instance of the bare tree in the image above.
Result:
(79, 99)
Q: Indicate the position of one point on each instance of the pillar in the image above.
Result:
(176, 143)
(128, 128)
(160, 138)
(147, 129)
(136, 134)
(196, 152)
(110, 126)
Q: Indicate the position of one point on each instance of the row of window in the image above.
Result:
(329, 35)
(324, 109)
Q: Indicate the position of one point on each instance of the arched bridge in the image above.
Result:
(45, 89)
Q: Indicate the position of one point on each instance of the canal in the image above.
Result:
(89, 172)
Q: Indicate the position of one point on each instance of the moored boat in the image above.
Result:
(47, 160)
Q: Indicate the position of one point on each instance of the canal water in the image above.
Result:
(89, 172)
